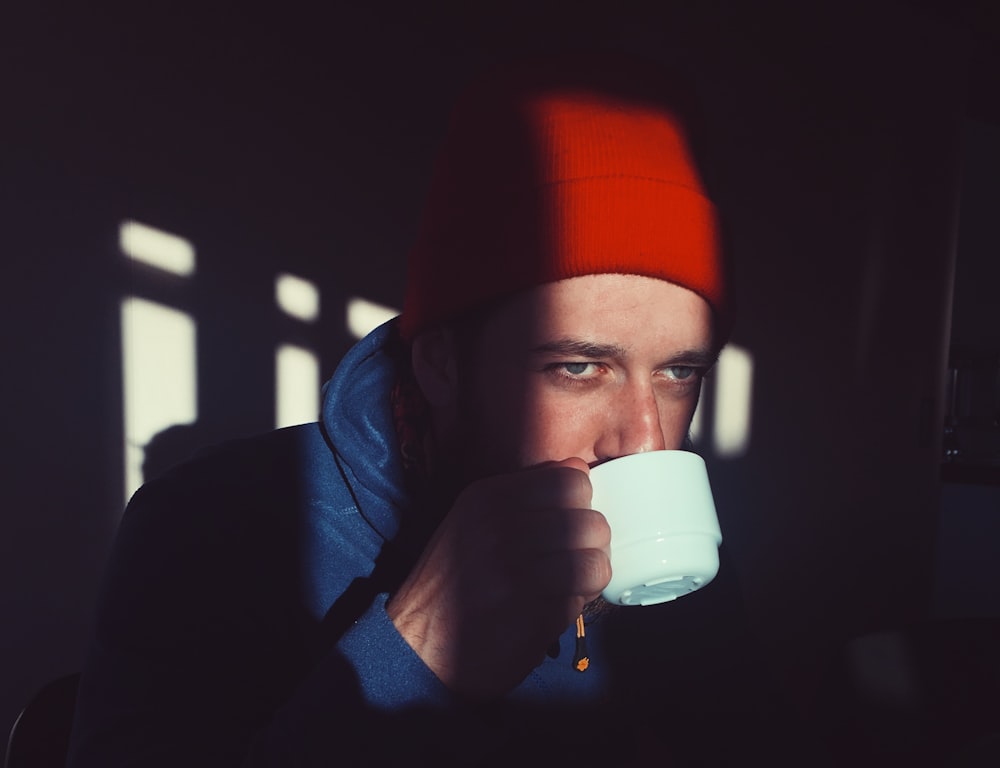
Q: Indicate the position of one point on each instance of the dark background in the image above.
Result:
(299, 138)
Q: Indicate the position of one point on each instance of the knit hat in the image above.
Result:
(557, 169)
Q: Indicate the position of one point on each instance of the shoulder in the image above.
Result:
(237, 479)
(233, 508)
(269, 515)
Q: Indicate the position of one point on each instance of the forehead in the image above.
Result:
(630, 311)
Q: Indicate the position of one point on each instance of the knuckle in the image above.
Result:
(599, 569)
(575, 486)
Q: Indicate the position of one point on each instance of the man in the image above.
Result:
(401, 581)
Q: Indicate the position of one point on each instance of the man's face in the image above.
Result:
(595, 367)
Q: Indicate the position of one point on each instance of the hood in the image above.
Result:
(357, 421)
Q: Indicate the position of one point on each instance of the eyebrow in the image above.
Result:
(577, 348)
(592, 350)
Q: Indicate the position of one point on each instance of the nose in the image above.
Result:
(633, 424)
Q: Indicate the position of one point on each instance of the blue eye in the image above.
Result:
(681, 372)
(687, 374)
(577, 373)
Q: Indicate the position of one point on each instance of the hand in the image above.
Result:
(508, 569)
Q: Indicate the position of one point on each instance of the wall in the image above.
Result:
(846, 151)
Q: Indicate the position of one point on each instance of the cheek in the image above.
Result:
(499, 419)
(534, 423)
(561, 429)
(675, 422)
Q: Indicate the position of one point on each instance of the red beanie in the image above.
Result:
(555, 171)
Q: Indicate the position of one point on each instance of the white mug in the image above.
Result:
(665, 534)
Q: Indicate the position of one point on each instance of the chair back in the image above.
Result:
(39, 737)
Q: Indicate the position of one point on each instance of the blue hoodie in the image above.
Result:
(242, 619)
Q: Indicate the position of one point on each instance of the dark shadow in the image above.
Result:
(39, 737)
(925, 694)
(175, 445)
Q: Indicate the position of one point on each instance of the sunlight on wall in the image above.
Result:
(365, 316)
(157, 248)
(159, 377)
(297, 386)
(297, 297)
(733, 397)
(728, 394)
(296, 369)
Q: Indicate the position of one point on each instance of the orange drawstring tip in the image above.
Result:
(581, 660)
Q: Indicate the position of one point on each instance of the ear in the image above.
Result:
(435, 366)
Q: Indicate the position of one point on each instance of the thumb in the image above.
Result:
(573, 462)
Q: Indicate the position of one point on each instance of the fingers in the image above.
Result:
(510, 566)
(556, 529)
(560, 484)
(555, 543)
(584, 573)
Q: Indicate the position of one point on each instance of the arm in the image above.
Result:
(205, 649)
